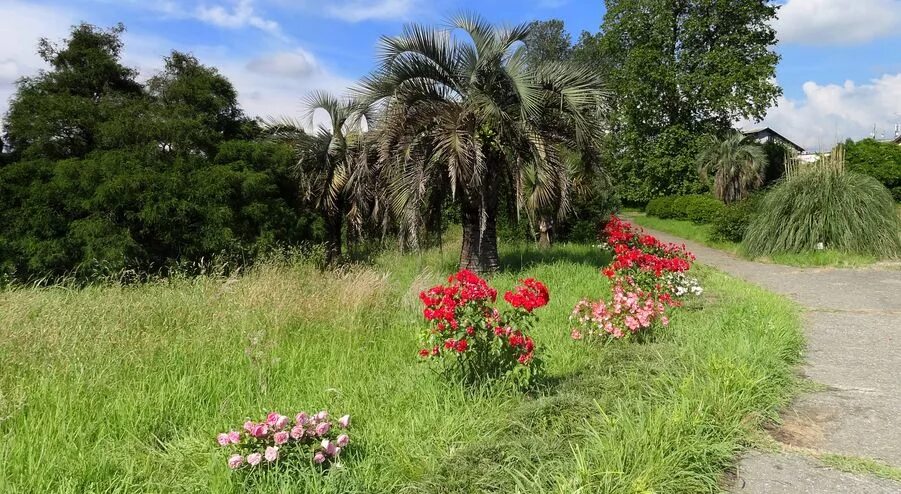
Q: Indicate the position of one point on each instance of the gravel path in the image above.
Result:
(853, 329)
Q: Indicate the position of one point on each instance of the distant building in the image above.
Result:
(765, 135)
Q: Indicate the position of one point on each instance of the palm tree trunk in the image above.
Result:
(333, 226)
(479, 251)
(544, 232)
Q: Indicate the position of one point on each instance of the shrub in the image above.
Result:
(312, 439)
(472, 337)
(661, 207)
(847, 212)
(732, 223)
(703, 209)
(880, 160)
(680, 207)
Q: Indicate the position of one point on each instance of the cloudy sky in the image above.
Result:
(841, 65)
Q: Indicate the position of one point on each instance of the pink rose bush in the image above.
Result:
(279, 438)
(647, 276)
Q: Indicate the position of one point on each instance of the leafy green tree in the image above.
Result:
(469, 105)
(57, 113)
(880, 160)
(548, 41)
(737, 166)
(679, 69)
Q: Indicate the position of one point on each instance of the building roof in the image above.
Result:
(768, 133)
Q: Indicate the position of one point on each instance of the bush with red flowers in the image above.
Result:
(647, 276)
(467, 333)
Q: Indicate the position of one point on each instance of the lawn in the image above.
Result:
(123, 388)
(701, 234)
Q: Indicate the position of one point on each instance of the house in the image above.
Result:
(765, 135)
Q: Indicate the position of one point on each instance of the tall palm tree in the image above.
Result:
(332, 163)
(469, 105)
(737, 166)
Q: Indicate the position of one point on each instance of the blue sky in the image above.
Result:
(841, 66)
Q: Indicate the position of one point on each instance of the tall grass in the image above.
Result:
(113, 388)
(843, 211)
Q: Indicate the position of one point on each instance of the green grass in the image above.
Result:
(701, 234)
(122, 389)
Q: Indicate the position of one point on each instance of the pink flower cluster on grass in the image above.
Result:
(278, 438)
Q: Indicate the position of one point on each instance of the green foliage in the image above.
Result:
(660, 207)
(703, 209)
(880, 160)
(677, 70)
(737, 165)
(734, 219)
(847, 212)
(547, 41)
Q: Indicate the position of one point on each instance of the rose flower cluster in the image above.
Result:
(642, 275)
(464, 325)
(305, 438)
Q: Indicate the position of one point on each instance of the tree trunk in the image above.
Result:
(479, 251)
(333, 225)
(544, 232)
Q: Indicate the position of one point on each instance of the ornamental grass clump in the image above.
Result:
(277, 440)
(648, 277)
(471, 337)
(824, 208)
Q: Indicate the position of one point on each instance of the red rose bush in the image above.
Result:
(647, 276)
(315, 439)
(466, 330)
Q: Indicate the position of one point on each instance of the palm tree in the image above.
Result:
(737, 166)
(332, 163)
(470, 108)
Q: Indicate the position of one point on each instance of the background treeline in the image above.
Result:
(104, 173)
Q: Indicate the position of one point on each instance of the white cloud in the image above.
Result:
(362, 10)
(830, 113)
(241, 14)
(297, 63)
(835, 22)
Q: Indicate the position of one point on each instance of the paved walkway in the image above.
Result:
(853, 329)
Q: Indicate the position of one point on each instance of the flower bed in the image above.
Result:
(647, 276)
(277, 439)
(469, 333)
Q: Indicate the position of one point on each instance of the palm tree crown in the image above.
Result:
(736, 165)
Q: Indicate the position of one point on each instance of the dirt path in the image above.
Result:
(853, 329)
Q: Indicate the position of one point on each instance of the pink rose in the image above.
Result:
(222, 439)
(281, 422)
(272, 418)
(302, 418)
(259, 430)
(234, 437)
(328, 447)
(297, 432)
(319, 458)
(344, 422)
(248, 426)
(235, 461)
(271, 454)
(319, 417)
(280, 437)
(323, 428)
(254, 459)
(343, 439)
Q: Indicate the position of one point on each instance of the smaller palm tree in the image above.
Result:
(736, 164)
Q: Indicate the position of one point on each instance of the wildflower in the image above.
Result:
(235, 461)
(254, 459)
(343, 440)
(319, 458)
(222, 439)
(576, 334)
(344, 422)
(280, 437)
(271, 454)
